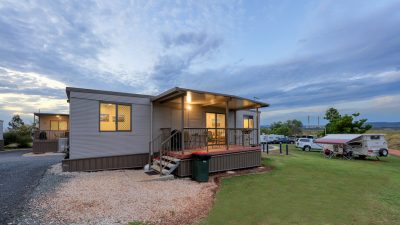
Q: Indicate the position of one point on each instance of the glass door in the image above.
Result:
(215, 122)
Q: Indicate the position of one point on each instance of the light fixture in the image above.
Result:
(188, 107)
(189, 97)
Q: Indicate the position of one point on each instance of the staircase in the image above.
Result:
(165, 165)
(159, 159)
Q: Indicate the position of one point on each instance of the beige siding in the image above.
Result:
(44, 121)
(87, 141)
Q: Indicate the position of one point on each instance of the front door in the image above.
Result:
(215, 124)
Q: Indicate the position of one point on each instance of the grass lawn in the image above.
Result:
(305, 188)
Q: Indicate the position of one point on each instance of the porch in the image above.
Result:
(185, 121)
(51, 132)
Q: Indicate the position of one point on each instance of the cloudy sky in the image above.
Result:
(300, 56)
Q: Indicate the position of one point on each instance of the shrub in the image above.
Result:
(10, 137)
(24, 141)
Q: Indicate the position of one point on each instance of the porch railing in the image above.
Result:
(200, 138)
(49, 134)
(196, 138)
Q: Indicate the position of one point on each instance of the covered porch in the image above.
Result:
(186, 121)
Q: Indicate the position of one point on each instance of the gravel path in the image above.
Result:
(18, 177)
(116, 197)
(394, 152)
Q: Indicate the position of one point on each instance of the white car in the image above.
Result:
(307, 144)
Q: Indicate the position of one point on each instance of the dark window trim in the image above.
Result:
(116, 116)
(215, 113)
(248, 117)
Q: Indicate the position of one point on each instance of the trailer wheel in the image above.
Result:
(383, 152)
(307, 148)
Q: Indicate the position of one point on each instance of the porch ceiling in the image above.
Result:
(202, 98)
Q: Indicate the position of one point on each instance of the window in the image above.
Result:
(58, 125)
(248, 122)
(115, 117)
(215, 122)
(304, 140)
(375, 137)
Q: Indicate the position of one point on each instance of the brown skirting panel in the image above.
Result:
(45, 146)
(224, 162)
(106, 163)
(1, 145)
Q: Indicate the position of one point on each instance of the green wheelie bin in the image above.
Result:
(200, 166)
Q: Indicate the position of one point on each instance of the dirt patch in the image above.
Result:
(394, 152)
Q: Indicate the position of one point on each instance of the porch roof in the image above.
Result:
(205, 98)
(50, 114)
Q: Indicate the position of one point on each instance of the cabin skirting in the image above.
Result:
(106, 163)
(224, 162)
(1, 145)
(45, 146)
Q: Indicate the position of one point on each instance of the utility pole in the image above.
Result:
(308, 124)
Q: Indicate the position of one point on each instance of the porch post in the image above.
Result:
(183, 123)
(258, 127)
(227, 124)
(234, 126)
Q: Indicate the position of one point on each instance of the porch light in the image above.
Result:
(188, 107)
(189, 97)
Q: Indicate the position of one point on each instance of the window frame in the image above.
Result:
(116, 116)
(248, 117)
(58, 125)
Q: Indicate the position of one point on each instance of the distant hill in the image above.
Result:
(384, 124)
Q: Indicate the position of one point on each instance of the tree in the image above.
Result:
(290, 127)
(15, 123)
(345, 124)
(332, 114)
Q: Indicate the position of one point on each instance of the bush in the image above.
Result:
(24, 141)
(10, 137)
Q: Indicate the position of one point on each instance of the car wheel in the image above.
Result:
(307, 148)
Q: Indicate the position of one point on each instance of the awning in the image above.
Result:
(337, 138)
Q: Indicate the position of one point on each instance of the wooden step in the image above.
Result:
(171, 159)
(164, 163)
(158, 169)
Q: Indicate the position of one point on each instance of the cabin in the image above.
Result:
(116, 130)
(51, 132)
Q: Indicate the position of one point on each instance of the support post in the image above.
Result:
(280, 148)
(258, 127)
(182, 123)
(287, 149)
(227, 124)
(234, 126)
(267, 148)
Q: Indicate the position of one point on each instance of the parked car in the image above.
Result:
(307, 144)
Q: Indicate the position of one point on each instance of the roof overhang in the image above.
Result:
(205, 98)
(50, 114)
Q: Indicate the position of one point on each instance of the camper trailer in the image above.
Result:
(358, 145)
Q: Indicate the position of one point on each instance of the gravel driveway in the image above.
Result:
(18, 177)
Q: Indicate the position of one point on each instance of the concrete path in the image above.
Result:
(18, 177)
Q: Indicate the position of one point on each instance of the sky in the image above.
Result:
(302, 57)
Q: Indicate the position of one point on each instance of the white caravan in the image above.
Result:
(360, 145)
(268, 138)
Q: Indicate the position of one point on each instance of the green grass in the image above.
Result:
(305, 188)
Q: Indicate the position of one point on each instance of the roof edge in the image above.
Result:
(96, 91)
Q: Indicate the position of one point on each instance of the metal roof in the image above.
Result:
(337, 138)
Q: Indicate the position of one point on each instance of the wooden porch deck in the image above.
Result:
(213, 150)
